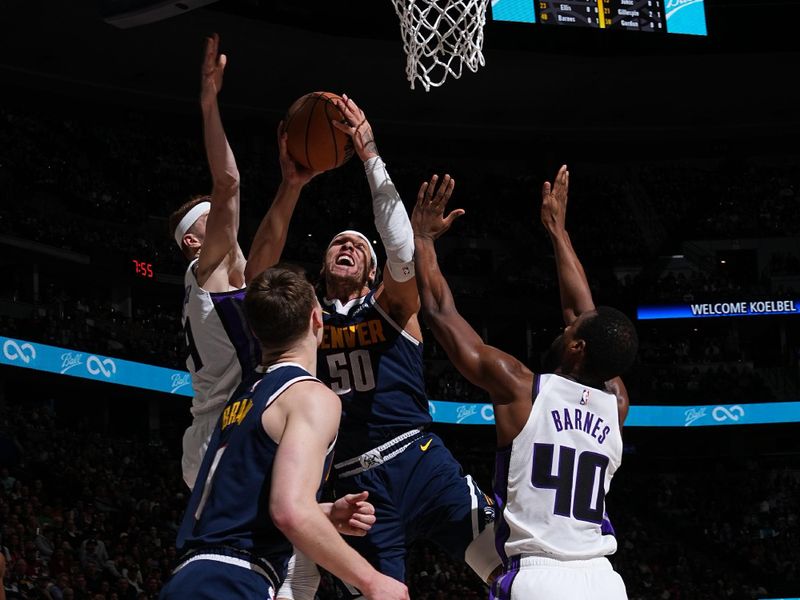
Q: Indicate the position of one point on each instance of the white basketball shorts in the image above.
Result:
(538, 578)
(195, 443)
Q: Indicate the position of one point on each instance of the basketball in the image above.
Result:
(312, 140)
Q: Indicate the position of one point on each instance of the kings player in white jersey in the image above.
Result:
(221, 346)
(558, 434)
(205, 229)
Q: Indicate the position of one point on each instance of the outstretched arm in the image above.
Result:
(399, 294)
(576, 296)
(507, 380)
(270, 238)
(220, 264)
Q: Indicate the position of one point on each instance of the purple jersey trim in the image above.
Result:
(501, 528)
(230, 309)
(606, 528)
(501, 588)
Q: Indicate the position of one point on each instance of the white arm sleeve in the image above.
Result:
(391, 221)
(302, 579)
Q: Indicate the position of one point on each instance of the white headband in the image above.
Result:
(197, 211)
(363, 237)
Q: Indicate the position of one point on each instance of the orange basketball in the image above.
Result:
(312, 140)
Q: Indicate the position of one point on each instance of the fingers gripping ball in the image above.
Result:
(312, 140)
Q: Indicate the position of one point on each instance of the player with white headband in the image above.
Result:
(205, 229)
(371, 356)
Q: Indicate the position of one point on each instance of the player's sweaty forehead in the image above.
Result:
(359, 241)
(343, 238)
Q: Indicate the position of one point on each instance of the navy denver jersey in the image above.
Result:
(376, 368)
(229, 506)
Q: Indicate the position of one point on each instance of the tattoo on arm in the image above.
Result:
(367, 137)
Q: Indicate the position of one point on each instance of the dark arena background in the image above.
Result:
(684, 157)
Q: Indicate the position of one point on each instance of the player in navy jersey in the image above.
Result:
(558, 435)
(260, 479)
(371, 356)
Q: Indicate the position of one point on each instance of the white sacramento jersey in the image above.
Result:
(551, 482)
(221, 345)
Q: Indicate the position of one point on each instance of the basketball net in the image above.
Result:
(440, 37)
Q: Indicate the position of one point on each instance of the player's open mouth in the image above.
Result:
(344, 259)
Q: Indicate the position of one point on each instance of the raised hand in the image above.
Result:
(212, 71)
(554, 202)
(428, 218)
(352, 514)
(357, 127)
(292, 171)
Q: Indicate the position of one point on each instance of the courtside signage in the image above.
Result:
(714, 414)
(645, 416)
(86, 365)
(75, 363)
(741, 308)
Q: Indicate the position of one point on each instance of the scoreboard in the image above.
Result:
(660, 16)
(646, 15)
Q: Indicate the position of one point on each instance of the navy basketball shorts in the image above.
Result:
(422, 493)
(212, 580)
